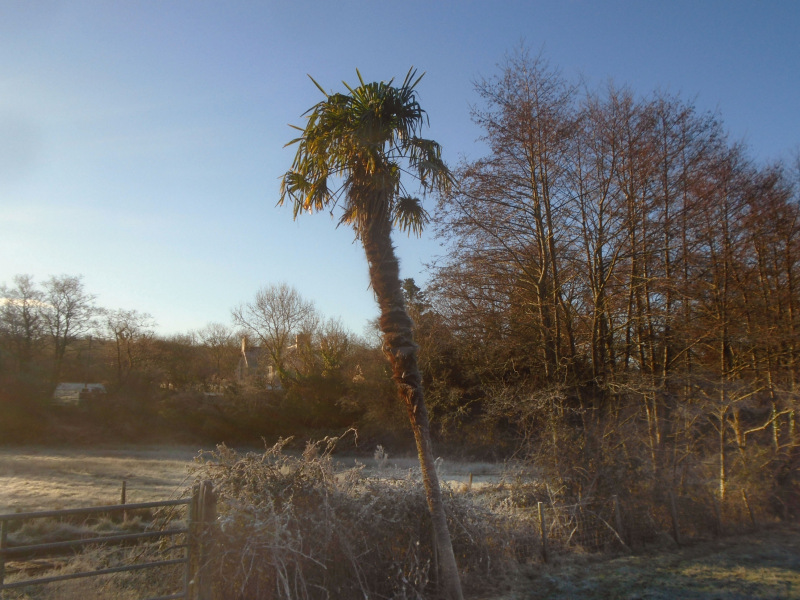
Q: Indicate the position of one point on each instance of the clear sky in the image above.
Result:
(141, 142)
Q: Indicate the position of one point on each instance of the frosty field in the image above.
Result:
(36, 478)
(760, 566)
(40, 478)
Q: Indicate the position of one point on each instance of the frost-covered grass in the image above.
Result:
(42, 478)
(306, 520)
(39, 478)
(760, 566)
(299, 527)
(132, 585)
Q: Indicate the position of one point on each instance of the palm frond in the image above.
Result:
(321, 89)
(410, 216)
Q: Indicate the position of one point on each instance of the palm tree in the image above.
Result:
(354, 149)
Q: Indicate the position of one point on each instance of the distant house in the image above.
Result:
(77, 394)
(255, 367)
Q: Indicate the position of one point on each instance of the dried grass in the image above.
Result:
(133, 585)
(299, 527)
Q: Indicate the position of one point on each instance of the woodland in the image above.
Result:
(617, 308)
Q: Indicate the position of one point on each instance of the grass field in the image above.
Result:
(40, 478)
(761, 566)
(34, 478)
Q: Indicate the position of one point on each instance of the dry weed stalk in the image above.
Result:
(295, 527)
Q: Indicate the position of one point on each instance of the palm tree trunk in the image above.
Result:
(401, 351)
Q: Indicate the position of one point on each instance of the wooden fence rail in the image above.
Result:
(200, 511)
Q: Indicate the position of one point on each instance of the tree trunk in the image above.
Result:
(723, 478)
(401, 351)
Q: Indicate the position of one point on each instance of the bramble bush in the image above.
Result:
(296, 526)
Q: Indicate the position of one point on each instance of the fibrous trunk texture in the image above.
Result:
(401, 351)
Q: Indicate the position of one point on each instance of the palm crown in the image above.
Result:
(363, 142)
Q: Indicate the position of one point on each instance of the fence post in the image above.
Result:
(676, 532)
(190, 582)
(543, 526)
(193, 576)
(206, 514)
(122, 500)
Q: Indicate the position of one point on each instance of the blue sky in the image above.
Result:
(141, 142)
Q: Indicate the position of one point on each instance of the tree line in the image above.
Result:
(55, 331)
(619, 292)
(185, 386)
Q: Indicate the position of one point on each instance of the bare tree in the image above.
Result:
(508, 216)
(276, 315)
(218, 340)
(127, 328)
(21, 323)
(68, 313)
(334, 346)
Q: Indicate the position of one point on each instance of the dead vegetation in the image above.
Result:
(308, 525)
(295, 527)
(133, 585)
(91, 558)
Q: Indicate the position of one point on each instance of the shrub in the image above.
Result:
(295, 526)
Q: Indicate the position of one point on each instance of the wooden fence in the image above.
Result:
(184, 539)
